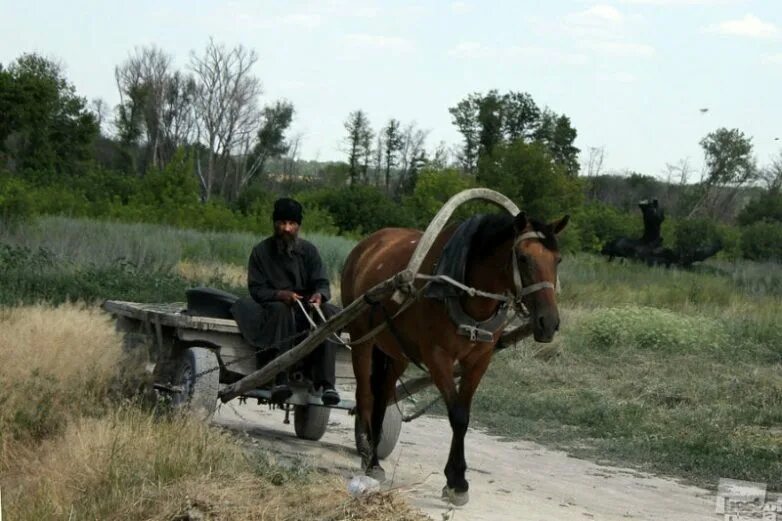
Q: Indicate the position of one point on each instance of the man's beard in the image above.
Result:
(286, 242)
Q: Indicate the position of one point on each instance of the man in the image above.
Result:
(283, 270)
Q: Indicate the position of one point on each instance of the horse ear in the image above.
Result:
(520, 222)
(560, 224)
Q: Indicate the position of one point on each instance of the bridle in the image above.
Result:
(520, 290)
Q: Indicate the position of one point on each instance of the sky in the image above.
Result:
(632, 75)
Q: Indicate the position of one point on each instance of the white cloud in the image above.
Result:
(749, 26)
(622, 77)
(475, 50)
(624, 49)
(604, 30)
(460, 7)
(471, 50)
(305, 20)
(681, 2)
(375, 41)
(597, 15)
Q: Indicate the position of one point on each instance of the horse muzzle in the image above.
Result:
(545, 325)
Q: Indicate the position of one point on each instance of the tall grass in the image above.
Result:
(70, 450)
(149, 247)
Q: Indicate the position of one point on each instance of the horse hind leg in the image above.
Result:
(362, 366)
(382, 372)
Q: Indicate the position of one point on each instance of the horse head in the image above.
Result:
(536, 257)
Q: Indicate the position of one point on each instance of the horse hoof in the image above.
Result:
(455, 498)
(377, 473)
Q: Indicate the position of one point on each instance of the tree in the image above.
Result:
(178, 118)
(225, 103)
(393, 142)
(729, 165)
(465, 117)
(521, 116)
(358, 140)
(526, 173)
(142, 81)
(271, 142)
(488, 120)
(45, 125)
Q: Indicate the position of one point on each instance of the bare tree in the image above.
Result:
(226, 107)
(178, 117)
(594, 163)
(100, 108)
(142, 81)
(772, 174)
(412, 155)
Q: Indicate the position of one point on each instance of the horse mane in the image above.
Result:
(497, 228)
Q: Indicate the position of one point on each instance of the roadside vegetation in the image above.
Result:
(75, 444)
(669, 371)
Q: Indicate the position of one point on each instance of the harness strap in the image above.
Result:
(399, 338)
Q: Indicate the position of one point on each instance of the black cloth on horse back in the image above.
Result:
(453, 260)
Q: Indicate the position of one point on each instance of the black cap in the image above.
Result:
(286, 209)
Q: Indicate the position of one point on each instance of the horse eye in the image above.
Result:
(559, 260)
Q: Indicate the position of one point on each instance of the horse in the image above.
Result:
(424, 332)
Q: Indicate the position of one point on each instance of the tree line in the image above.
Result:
(197, 147)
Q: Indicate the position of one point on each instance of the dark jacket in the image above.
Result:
(271, 270)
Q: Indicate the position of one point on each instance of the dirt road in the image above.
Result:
(515, 480)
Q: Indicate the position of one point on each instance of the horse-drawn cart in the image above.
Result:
(200, 357)
(199, 354)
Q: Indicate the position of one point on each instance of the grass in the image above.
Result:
(670, 371)
(72, 448)
(148, 247)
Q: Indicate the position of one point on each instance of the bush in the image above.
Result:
(598, 223)
(359, 209)
(694, 234)
(767, 207)
(16, 203)
(762, 241)
(635, 327)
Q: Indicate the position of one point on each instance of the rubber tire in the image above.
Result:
(199, 396)
(310, 421)
(392, 426)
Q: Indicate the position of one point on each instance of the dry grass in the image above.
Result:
(54, 362)
(63, 341)
(66, 453)
(129, 465)
(229, 274)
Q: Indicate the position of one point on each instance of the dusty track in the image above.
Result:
(515, 480)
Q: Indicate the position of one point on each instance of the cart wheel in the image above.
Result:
(392, 426)
(310, 421)
(199, 395)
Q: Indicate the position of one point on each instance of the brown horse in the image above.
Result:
(424, 332)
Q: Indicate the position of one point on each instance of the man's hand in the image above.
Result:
(287, 296)
(316, 299)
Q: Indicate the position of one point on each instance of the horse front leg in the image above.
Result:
(457, 487)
